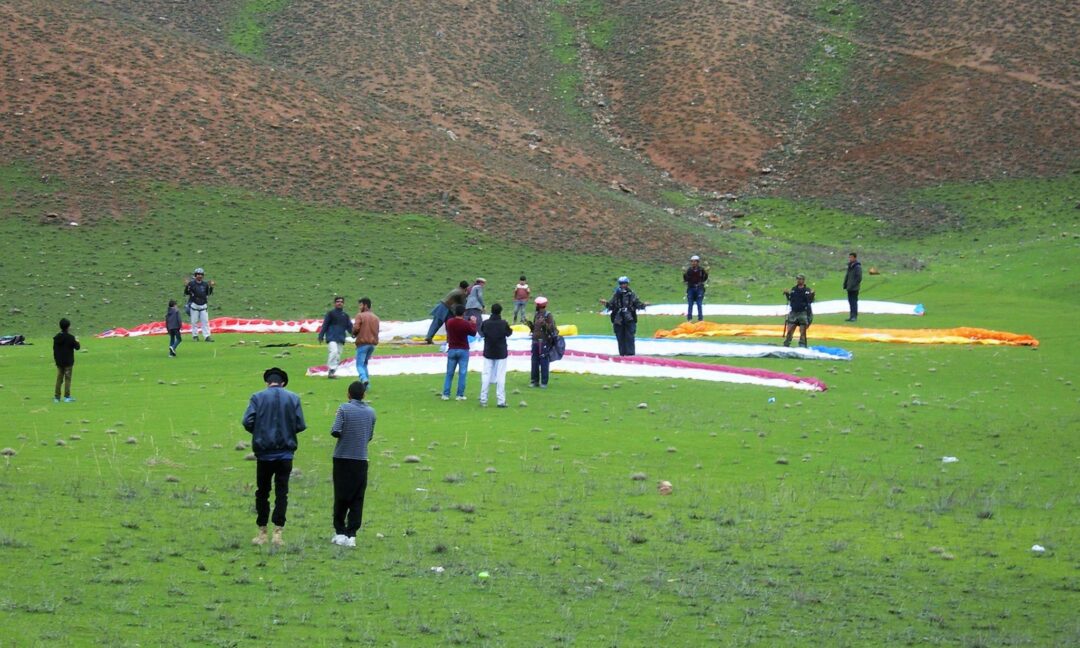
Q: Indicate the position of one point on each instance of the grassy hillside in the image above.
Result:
(825, 518)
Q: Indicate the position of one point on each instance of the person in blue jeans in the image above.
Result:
(695, 277)
(458, 330)
(366, 333)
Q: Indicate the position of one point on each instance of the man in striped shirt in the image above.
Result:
(354, 426)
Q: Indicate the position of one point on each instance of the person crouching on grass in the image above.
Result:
(354, 426)
(273, 417)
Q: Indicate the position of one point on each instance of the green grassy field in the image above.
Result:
(820, 519)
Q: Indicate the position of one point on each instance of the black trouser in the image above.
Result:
(279, 471)
(624, 335)
(853, 303)
(350, 483)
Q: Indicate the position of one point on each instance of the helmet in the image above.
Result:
(624, 279)
(198, 271)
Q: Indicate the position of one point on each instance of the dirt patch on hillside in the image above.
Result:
(94, 99)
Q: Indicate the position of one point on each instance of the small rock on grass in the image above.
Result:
(8, 452)
(131, 440)
(411, 459)
(783, 461)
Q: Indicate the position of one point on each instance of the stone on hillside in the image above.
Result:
(532, 136)
(8, 452)
(411, 459)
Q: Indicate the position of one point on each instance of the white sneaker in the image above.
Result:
(339, 539)
(445, 397)
(461, 398)
(350, 542)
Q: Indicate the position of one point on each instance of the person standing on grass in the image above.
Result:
(458, 330)
(64, 347)
(695, 277)
(624, 305)
(800, 297)
(273, 417)
(852, 284)
(543, 329)
(494, 331)
(521, 297)
(198, 293)
(366, 333)
(173, 324)
(474, 303)
(354, 426)
(335, 326)
(444, 308)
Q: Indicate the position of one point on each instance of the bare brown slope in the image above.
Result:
(936, 92)
(88, 96)
(947, 92)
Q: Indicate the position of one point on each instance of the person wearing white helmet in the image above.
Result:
(695, 277)
(198, 293)
(624, 305)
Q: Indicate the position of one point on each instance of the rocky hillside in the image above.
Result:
(553, 123)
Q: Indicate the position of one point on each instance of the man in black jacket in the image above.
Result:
(273, 417)
(852, 283)
(495, 331)
(64, 347)
(624, 305)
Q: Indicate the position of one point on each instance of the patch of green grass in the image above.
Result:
(826, 68)
(249, 25)
(563, 24)
(680, 199)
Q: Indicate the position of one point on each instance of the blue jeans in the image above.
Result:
(175, 338)
(540, 364)
(694, 295)
(853, 303)
(519, 310)
(363, 354)
(438, 318)
(459, 359)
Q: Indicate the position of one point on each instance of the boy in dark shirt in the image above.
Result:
(173, 323)
(64, 347)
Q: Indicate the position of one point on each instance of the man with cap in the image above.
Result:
(624, 305)
(198, 292)
(543, 330)
(273, 417)
(474, 304)
(695, 277)
(336, 325)
(800, 297)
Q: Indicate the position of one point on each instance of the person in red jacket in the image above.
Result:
(458, 330)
